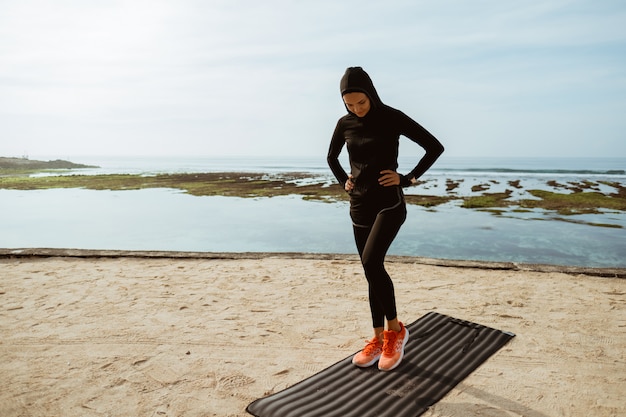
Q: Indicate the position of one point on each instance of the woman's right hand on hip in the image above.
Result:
(349, 185)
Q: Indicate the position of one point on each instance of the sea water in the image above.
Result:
(167, 219)
(492, 166)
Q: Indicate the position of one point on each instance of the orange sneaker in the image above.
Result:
(393, 348)
(370, 353)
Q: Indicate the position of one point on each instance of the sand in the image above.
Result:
(178, 336)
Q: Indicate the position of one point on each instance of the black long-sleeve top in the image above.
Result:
(372, 141)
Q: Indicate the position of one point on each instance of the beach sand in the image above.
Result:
(189, 336)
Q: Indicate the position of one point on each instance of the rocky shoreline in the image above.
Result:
(588, 197)
(499, 196)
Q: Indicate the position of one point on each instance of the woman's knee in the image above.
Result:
(373, 266)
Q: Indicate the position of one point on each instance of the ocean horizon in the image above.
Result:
(596, 166)
(169, 219)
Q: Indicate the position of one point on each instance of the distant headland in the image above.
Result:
(29, 164)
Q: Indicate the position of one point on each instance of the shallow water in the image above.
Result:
(166, 219)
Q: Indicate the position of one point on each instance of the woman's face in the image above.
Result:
(357, 103)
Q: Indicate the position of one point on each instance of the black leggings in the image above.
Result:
(376, 224)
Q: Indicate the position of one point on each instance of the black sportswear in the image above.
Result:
(377, 211)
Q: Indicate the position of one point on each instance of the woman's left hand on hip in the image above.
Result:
(389, 178)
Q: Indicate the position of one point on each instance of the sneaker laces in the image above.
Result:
(389, 346)
(371, 346)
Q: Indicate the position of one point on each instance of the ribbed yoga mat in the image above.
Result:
(441, 352)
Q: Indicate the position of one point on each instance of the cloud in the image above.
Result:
(228, 77)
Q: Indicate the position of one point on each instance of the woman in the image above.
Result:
(371, 131)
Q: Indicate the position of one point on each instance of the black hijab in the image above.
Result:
(356, 80)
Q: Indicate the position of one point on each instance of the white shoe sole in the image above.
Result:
(366, 365)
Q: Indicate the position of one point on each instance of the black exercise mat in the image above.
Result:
(440, 353)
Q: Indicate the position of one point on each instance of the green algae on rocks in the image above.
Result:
(579, 198)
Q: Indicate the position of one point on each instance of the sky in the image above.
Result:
(488, 78)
